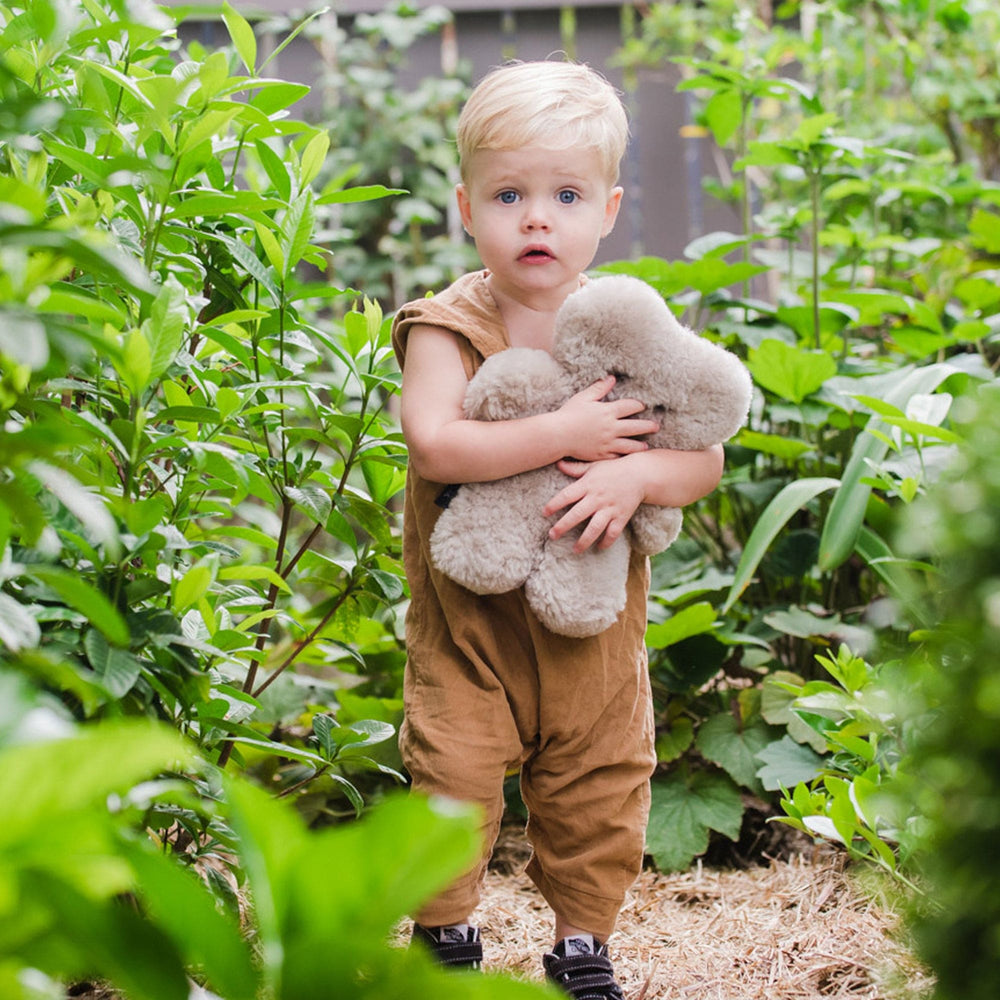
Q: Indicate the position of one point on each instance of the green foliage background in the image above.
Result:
(200, 480)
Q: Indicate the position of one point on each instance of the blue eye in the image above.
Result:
(568, 197)
(507, 197)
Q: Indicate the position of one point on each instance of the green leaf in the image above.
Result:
(723, 741)
(83, 597)
(790, 372)
(682, 811)
(689, 621)
(792, 498)
(242, 34)
(271, 248)
(313, 158)
(165, 327)
(723, 112)
(789, 449)
(296, 229)
(314, 500)
(63, 777)
(369, 192)
(786, 763)
(180, 904)
(18, 627)
(192, 587)
(673, 742)
(847, 511)
(116, 669)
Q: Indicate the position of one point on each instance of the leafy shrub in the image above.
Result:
(83, 893)
(863, 295)
(199, 463)
(954, 769)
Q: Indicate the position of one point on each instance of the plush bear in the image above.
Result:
(492, 536)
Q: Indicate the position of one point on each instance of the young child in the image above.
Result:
(487, 688)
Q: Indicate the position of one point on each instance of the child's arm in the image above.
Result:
(606, 494)
(445, 447)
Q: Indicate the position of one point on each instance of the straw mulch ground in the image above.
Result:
(795, 929)
(789, 923)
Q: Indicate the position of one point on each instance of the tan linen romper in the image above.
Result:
(488, 690)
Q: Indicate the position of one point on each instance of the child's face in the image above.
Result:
(537, 216)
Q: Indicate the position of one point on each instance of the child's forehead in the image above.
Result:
(536, 161)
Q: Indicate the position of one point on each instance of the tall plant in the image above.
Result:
(198, 460)
(882, 314)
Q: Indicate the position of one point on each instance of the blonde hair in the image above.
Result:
(556, 105)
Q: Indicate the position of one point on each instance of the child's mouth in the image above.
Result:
(536, 254)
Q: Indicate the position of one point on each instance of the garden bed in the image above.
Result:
(798, 929)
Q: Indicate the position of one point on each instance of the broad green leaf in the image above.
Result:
(271, 248)
(296, 228)
(192, 587)
(76, 773)
(210, 125)
(88, 507)
(723, 741)
(689, 621)
(792, 498)
(786, 763)
(181, 905)
(136, 365)
(684, 808)
(790, 372)
(369, 192)
(249, 572)
(723, 111)
(314, 500)
(788, 449)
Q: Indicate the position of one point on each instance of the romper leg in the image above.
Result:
(459, 737)
(587, 786)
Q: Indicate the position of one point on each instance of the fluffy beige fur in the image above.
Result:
(492, 537)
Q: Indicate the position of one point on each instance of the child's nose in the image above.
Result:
(535, 217)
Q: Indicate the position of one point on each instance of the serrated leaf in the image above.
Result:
(683, 809)
(786, 763)
(722, 741)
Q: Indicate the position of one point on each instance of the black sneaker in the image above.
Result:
(456, 946)
(581, 968)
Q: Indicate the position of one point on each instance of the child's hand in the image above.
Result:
(600, 430)
(603, 494)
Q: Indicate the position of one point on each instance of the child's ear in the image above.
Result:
(464, 207)
(611, 210)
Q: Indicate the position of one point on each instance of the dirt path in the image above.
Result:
(798, 930)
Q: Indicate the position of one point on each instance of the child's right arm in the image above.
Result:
(445, 447)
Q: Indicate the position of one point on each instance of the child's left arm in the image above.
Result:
(606, 494)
